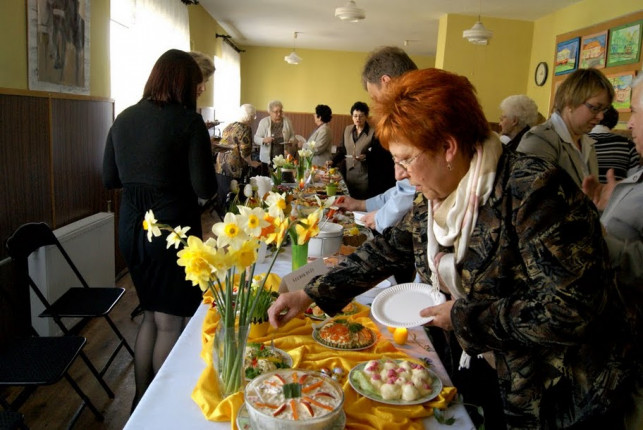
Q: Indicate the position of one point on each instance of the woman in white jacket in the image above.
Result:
(273, 133)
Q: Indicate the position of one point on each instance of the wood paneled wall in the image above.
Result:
(51, 152)
(304, 124)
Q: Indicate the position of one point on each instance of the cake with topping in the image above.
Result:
(343, 334)
(293, 400)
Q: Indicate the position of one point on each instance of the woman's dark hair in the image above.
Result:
(360, 106)
(174, 80)
(324, 113)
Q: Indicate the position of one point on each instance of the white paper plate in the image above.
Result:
(400, 305)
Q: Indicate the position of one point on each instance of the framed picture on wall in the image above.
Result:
(58, 46)
(566, 56)
(622, 83)
(624, 44)
(593, 48)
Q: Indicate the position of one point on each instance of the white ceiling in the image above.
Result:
(388, 22)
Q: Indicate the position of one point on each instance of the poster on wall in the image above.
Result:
(625, 44)
(566, 56)
(58, 44)
(622, 83)
(593, 50)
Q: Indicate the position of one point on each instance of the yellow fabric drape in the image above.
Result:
(295, 338)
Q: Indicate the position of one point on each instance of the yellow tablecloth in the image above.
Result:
(295, 337)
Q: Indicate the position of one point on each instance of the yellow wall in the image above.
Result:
(13, 47)
(580, 15)
(498, 69)
(323, 77)
(203, 30)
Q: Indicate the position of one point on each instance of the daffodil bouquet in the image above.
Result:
(232, 253)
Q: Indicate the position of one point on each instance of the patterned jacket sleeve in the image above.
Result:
(373, 262)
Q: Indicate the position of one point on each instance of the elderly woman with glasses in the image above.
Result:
(515, 247)
(274, 134)
(579, 105)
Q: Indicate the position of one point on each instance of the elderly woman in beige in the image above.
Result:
(273, 133)
(518, 113)
(579, 104)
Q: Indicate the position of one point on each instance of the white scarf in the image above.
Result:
(451, 221)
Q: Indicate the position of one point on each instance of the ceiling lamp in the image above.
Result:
(350, 12)
(478, 34)
(293, 58)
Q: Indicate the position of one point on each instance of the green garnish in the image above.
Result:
(292, 390)
(355, 327)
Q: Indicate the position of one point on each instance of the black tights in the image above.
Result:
(155, 339)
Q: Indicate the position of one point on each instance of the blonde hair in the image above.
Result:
(205, 64)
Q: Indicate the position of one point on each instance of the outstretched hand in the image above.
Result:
(287, 306)
(351, 204)
(441, 315)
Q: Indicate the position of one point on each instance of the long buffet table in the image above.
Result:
(167, 404)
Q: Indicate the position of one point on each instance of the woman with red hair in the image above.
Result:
(515, 247)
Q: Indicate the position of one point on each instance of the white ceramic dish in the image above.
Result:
(243, 420)
(400, 305)
(327, 242)
(436, 388)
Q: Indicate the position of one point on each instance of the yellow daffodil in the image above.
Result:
(151, 226)
(252, 220)
(245, 255)
(229, 232)
(279, 232)
(307, 228)
(276, 204)
(199, 261)
(174, 238)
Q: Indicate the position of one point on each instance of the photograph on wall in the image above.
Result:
(624, 44)
(593, 50)
(58, 44)
(622, 83)
(566, 56)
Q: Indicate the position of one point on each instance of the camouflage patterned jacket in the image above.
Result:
(540, 293)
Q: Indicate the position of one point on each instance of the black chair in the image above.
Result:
(77, 302)
(33, 361)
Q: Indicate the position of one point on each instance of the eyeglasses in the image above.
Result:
(596, 109)
(405, 164)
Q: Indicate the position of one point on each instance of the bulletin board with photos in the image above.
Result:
(612, 46)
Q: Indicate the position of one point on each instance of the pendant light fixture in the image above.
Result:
(350, 12)
(293, 58)
(478, 34)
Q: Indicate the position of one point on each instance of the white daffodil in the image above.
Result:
(252, 220)
(247, 190)
(305, 153)
(276, 204)
(309, 145)
(151, 226)
(326, 203)
(279, 161)
(234, 186)
(174, 238)
(229, 232)
(264, 185)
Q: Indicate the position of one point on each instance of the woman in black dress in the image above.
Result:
(158, 152)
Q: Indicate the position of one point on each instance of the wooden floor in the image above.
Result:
(52, 407)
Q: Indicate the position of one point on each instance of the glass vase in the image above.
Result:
(299, 255)
(227, 357)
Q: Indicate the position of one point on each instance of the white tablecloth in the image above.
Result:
(167, 404)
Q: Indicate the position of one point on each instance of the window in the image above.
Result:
(227, 84)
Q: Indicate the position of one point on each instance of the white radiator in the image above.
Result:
(90, 244)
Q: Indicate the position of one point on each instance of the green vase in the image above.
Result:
(299, 255)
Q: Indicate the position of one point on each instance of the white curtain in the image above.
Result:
(142, 30)
(227, 85)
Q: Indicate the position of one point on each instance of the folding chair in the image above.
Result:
(77, 302)
(33, 361)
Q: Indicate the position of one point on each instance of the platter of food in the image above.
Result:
(395, 382)
(260, 359)
(342, 334)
